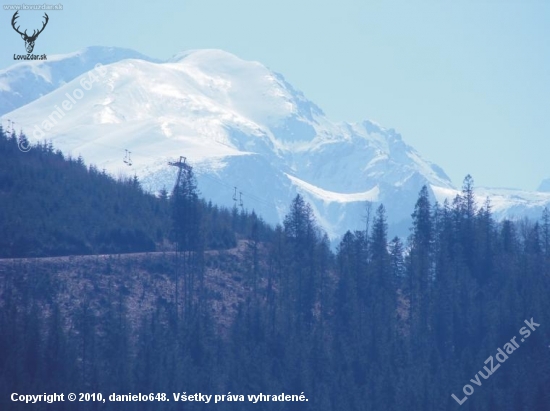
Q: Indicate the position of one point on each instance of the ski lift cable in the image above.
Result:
(257, 199)
(247, 194)
(231, 188)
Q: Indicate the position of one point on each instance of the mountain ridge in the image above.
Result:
(241, 125)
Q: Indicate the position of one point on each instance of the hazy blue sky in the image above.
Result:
(467, 83)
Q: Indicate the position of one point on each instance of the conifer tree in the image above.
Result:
(420, 266)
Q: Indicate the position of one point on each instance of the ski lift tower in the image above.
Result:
(181, 165)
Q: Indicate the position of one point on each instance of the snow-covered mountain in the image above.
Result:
(26, 81)
(237, 122)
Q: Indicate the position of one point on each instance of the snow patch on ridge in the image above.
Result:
(501, 200)
(331, 196)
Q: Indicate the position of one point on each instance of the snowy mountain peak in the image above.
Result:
(211, 57)
(237, 122)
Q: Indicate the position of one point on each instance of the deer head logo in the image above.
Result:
(29, 40)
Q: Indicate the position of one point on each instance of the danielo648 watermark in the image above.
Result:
(86, 82)
(501, 356)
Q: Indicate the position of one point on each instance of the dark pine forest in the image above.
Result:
(377, 324)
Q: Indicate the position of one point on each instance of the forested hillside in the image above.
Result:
(380, 324)
(52, 205)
